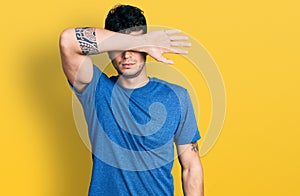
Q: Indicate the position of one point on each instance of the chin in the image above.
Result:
(127, 75)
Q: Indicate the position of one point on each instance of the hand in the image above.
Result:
(160, 42)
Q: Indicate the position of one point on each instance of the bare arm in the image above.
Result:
(192, 172)
(77, 43)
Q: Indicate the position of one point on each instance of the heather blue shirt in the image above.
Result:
(132, 132)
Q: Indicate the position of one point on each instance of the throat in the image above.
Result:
(133, 83)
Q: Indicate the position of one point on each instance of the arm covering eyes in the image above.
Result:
(87, 40)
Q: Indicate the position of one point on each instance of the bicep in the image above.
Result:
(77, 67)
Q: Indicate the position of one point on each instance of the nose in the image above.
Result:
(127, 54)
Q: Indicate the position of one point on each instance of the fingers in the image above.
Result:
(169, 42)
(176, 38)
(184, 44)
(165, 60)
(168, 61)
(178, 51)
(172, 31)
(170, 50)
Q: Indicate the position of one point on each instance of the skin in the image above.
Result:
(125, 51)
(192, 171)
(130, 66)
(78, 67)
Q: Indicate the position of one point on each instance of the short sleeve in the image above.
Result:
(187, 131)
(88, 94)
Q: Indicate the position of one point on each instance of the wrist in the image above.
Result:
(140, 43)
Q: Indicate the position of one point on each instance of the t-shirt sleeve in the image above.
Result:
(187, 131)
(88, 94)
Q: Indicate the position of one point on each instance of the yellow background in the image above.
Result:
(255, 43)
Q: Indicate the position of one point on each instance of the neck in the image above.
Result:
(132, 83)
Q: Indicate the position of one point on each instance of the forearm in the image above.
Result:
(90, 41)
(77, 43)
(192, 181)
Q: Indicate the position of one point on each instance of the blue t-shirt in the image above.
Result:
(132, 132)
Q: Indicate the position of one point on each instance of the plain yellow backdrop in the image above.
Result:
(255, 44)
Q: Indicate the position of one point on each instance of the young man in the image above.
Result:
(133, 120)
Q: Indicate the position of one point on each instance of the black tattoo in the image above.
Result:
(87, 39)
(195, 147)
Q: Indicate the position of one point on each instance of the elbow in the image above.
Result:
(194, 172)
(66, 38)
(193, 183)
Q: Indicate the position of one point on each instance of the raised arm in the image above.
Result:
(76, 44)
(192, 172)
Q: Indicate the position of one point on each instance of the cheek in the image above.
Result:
(114, 55)
(115, 61)
(115, 64)
(141, 58)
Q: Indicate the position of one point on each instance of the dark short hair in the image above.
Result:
(125, 19)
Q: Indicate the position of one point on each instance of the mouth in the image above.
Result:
(127, 65)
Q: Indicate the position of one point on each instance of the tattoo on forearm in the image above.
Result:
(195, 146)
(87, 39)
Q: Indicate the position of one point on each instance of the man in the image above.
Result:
(133, 120)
